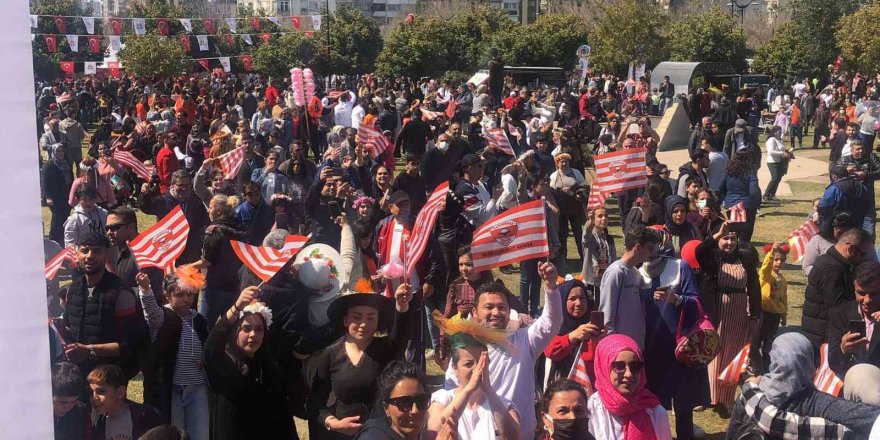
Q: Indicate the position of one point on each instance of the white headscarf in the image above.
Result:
(791, 368)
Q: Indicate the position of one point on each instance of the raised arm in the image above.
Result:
(545, 328)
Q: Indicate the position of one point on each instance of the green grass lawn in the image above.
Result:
(775, 223)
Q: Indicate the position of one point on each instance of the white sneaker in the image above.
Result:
(429, 354)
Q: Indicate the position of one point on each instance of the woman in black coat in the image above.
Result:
(249, 391)
(57, 177)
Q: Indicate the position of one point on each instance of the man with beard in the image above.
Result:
(103, 319)
(179, 194)
(121, 228)
(511, 368)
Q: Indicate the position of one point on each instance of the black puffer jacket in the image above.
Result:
(830, 284)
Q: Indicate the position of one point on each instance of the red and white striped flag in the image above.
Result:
(430, 115)
(516, 235)
(800, 238)
(263, 261)
(372, 140)
(424, 226)
(825, 380)
(160, 245)
(293, 243)
(450, 108)
(125, 158)
(737, 213)
(514, 131)
(578, 371)
(621, 170)
(597, 197)
(231, 162)
(497, 139)
(737, 366)
(57, 262)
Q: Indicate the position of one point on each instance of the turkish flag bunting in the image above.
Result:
(295, 22)
(162, 24)
(184, 41)
(67, 66)
(114, 68)
(255, 22)
(247, 62)
(209, 25)
(229, 40)
(265, 37)
(95, 43)
(60, 24)
(51, 43)
(204, 63)
(310, 34)
(115, 26)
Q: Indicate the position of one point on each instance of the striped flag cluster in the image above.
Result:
(737, 213)
(424, 225)
(497, 140)
(57, 262)
(516, 235)
(621, 170)
(263, 261)
(162, 243)
(372, 140)
(129, 161)
(230, 163)
(578, 371)
(597, 197)
(800, 238)
(293, 243)
(825, 380)
(736, 367)
(430, 114)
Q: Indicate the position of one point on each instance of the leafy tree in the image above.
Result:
(628, 31)
(152, 56)
(55, 7)
(415, 49)
(282, 53)
(158, 9)
(711, 35)
(785, 54)
(859, 48)
(470, 35)
(551, 40)
(355, 42)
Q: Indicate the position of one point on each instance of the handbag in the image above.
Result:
(698, 345)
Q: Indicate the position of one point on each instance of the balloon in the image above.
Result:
(309, 81)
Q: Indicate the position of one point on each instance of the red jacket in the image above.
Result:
(271, 96)
(166, 164)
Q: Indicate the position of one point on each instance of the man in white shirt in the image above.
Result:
(342, 110)
(357, 115)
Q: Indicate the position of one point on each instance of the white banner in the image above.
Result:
(232, 24)
(203, 42)
(90, 24)
(224, 61)
(34, 21)
(316, 22)
(73, 42)
(90, 68)
(247, 39)
(115, 43)
(275, 20)
(139, 25)
(187, 24)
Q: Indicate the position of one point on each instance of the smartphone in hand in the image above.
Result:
(858, 327)
(597, 318)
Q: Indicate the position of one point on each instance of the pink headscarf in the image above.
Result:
(637, 424)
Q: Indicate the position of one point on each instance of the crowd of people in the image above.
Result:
(341, 337)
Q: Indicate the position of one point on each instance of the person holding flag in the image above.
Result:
(577, 336)
(180, 194)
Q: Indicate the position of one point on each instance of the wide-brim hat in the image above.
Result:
(316, 266)
(340, 306)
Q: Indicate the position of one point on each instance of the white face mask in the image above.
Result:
(443, 146)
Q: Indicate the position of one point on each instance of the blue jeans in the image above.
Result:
(530, 286)
(437, 301)
(190, 410)
(214, 302)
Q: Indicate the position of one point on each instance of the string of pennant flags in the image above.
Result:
(115, 41)
(139, 24)
(91, 67)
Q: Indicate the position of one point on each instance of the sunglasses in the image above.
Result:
(635, 367)
(405, 403)
(116, 227)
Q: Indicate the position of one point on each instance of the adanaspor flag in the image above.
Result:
(516, 235)
(450, 108)
(231, 162)
(125, 158)
(293, 243)
(737, 213)
(424, 226)
(578, 371)
(263, 261)
(57, 262)
(372, 140)
(597, 197)
(621, 170)
(800, 238)
(496, 139)
(736, 367)
(825, 380)
(162, 243)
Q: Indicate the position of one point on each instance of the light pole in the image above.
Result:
(742, 8)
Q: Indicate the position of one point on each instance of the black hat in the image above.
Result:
(398, 196)
(470, 160)
(540, 137)
(93, 239)
(384, 305)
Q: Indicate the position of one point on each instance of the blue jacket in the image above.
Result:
(735, 189)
